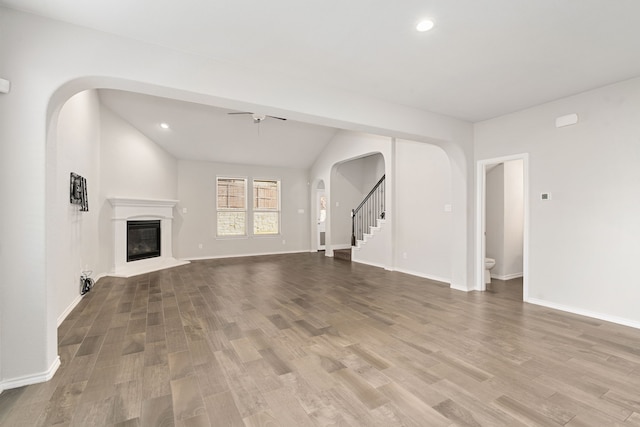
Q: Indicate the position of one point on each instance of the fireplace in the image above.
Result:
(142, 231)
(143, 240)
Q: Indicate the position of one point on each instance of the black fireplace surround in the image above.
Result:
(143, 240)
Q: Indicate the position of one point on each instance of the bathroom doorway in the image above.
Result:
(502, 223)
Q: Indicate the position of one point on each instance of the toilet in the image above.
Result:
(489, 263)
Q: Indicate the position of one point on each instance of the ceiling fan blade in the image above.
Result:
(244, 112)
(277, 118)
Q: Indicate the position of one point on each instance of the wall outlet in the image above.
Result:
(404, 255)
(184, 210)
(284, 242)
(199, 245)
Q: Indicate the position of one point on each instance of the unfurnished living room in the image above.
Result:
(287, 213)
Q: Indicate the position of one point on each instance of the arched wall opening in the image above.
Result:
(351, 181)
(53, 65)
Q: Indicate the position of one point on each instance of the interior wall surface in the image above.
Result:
(48, 61)
(583, 246)
(494, 215)
(75, 235)
(351, 182)
(132, 166)
(512, 265)
(347, 146)
(197, 226)
(423, 217)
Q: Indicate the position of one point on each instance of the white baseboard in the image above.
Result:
(68, 310)
(587, 313)
(76, 301)
(246, 255)
(31, 379)
(444, 280)
(372, 264)
(506, 276)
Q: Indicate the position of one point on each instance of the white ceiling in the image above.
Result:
(483, 58)
(201, 132)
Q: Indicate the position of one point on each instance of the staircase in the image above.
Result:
(365, 219)
(373, 230)
(343, 254)
(367, 222)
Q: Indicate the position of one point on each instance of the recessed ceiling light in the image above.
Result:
(425, 25)
(164, 125)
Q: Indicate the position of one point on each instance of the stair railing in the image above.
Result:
(368, 212)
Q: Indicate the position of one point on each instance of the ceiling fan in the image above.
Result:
(258, 118)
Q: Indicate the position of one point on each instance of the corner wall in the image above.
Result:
(584, 246)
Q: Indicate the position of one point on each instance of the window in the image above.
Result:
(232, 206)
(266, 207)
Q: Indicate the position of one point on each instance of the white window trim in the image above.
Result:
(247, 226)
(279, 210)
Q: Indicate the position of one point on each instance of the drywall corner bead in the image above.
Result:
(5, 86)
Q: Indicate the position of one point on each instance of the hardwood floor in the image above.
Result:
(304, 340)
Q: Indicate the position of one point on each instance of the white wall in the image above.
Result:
(76, 233)
(48, 61)
(132, 166)
(197, 193)
(512, 262)
(494, 217)
(346, 146)
(351, 182)
(423, 228)
(116, 160)
(584, 246)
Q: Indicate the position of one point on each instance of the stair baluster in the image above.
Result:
(370, 210)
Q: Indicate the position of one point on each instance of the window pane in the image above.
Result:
(265, 195)
(231, 193)
(265, 222)
(232, 223)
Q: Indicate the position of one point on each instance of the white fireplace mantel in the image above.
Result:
(128, 209)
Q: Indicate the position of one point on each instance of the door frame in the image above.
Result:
(481, 196)
(319, 193)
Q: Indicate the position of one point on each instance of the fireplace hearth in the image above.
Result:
(143, 240)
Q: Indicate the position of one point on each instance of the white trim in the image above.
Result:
(248, 255)
(507, 276)
(424, 276)
(480, 220)
(145, 266)
(461, 288)
(587, 313)
(69, 309)
(31, 379)
(75, 302)
(372, 264)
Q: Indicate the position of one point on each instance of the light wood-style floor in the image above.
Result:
(304, 340)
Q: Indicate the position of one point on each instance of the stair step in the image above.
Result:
(344, 254)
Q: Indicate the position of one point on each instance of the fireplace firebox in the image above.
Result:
(143, 240)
